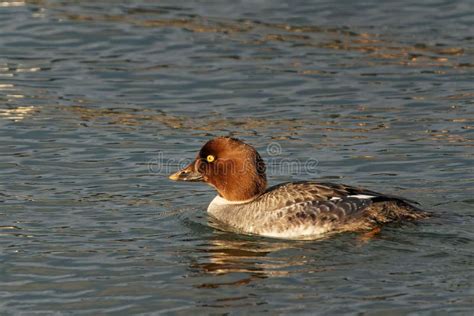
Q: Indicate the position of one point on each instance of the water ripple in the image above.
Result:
(100, 101)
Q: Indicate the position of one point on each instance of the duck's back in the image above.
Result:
(307, 210)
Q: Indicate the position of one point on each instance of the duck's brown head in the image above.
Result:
(234, 168)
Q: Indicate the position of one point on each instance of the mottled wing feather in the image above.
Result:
(316, 217)
(290, 193)
(321, 212)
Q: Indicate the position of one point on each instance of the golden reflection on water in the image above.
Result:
(253, 258)
(17, 114)
(240, 259)
(6, 86)
(135, 117)
(355, 126)
(12, 3)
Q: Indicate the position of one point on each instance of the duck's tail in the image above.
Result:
(394, 211)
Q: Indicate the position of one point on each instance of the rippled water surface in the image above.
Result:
(100, 100)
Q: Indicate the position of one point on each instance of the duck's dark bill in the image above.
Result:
(186, 174)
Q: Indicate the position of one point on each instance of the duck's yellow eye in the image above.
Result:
(210, 158)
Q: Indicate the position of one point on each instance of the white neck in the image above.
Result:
(221, 201)
(218, 202)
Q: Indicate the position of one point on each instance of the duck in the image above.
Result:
(293, 210)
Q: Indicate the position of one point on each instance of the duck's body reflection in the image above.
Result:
(247, 258)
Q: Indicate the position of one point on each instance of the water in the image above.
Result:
(100, 100)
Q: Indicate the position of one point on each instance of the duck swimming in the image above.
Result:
(297, 210)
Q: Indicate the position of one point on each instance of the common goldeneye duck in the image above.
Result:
(298, 210)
